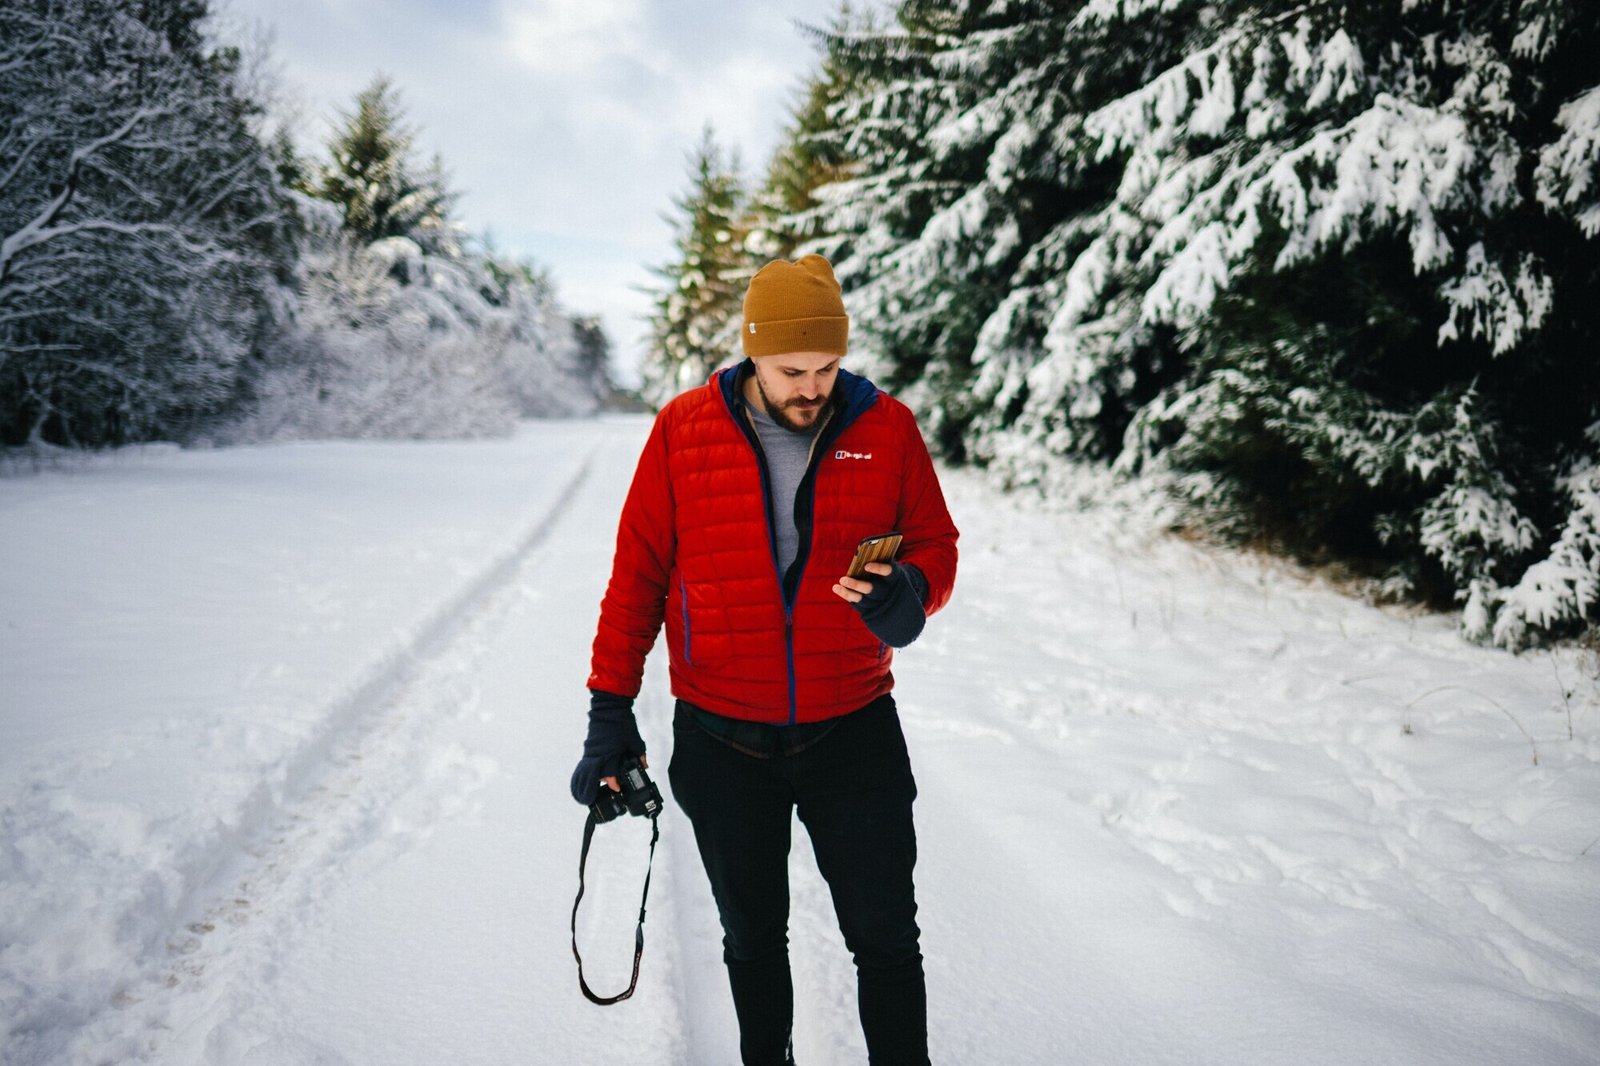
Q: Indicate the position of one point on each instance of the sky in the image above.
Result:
(565, 124)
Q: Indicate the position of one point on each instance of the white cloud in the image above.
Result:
(569, 39)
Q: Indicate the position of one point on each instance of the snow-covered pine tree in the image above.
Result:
(968, 198)
(397, 326)
(1326, 262)
(810, 154)
(378, 185)
(593, 357)
(1388, 350)
(694, 328)
(888, 98)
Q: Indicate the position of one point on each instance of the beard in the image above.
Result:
(797, 415)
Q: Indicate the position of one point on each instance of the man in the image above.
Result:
(744, 512)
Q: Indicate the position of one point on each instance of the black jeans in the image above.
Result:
(853, 789)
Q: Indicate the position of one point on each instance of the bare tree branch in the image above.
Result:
(141, 223)
(41, 227)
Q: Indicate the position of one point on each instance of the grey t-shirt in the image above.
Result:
(787, 455)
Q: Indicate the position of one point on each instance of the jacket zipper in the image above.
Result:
(803, 552)
(788, 644)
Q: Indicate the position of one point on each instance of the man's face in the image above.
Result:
(796, 386)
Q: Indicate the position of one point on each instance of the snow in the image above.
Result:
(1499, 310)
(1567, 581)
(285, 734)
(1568, 166)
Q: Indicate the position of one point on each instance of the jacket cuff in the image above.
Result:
(603, 701)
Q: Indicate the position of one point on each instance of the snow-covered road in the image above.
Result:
(285, 735)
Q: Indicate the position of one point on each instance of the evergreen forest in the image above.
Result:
(1323, 275)
(172, 269)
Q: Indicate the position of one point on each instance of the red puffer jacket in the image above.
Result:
(695, 547)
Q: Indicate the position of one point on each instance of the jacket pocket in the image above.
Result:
(688, 633)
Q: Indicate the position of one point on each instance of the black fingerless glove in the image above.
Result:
(893, 609)
(613, 740)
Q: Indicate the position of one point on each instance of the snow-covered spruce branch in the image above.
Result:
(1395, 166)
(1196, 250)
(1499, 309)
(1201, 95)
(1539, 26)
(1568, 175)
(1109, 11)
(1084, 282)
(1565, 584)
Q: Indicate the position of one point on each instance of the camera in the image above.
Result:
(639, 795)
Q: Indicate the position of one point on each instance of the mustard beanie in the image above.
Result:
(794, 307)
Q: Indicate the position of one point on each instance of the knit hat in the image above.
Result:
(794, 307)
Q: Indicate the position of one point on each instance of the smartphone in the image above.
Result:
(878, 548)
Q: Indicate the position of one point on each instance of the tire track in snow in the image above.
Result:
(333, 800)
(826, 1026)
(683, 925)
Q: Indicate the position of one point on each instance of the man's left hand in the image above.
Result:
(889, 599)
(854, 589)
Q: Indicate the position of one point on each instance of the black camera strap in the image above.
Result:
(638, 935)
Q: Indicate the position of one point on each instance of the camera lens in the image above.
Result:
(608, 805)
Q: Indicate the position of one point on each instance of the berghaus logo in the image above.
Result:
(852, 455)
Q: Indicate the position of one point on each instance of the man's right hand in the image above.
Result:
(613, 739)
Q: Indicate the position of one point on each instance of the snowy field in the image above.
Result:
(285, 735)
